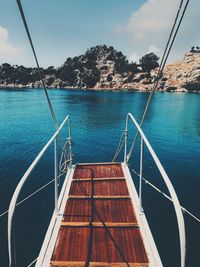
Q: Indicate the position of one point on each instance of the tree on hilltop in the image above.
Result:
(149, 62)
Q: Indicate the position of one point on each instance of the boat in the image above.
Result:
(98, 218)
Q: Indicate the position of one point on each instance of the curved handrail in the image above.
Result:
(11, 211)
(177, 207)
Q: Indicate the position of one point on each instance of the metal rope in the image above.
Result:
(32, 262)
(165, 56)
(29, 196)
(166, 196)
(62, 170)
(179, 24)
(170, 36)
(120, 145)
(63, 160)
(35, 192)
(36, 60)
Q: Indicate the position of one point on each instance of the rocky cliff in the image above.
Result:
(184, 75)
(103, 67)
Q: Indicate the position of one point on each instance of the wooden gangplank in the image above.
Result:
(99, 225)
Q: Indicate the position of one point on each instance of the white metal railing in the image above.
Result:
(11, 211)
(177, 207)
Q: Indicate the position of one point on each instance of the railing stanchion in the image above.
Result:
(125, 141)
(141, 169)
(70, 142)
(56, 175)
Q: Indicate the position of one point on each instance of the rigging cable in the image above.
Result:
(120, 145)
(167, 197)
(36, 60)
(30, 264)
(165, 56)
(29, 196)
(62, 171)
(170, 35)
(186, 5)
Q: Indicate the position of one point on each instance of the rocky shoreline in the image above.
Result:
(104, 68)
(100, 89)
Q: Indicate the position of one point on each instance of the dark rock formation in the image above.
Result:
(99, 67)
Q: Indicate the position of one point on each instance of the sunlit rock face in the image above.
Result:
(184, 75)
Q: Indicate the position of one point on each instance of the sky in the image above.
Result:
(67, 28)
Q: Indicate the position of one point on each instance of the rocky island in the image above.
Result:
(102, 67)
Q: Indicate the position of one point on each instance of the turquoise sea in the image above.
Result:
(98, 119)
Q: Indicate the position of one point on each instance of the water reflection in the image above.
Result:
(97, 108)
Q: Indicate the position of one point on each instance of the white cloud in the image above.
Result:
(152, 18)
(7, 50)
(154, 49)
(148, 28)
(134, 57)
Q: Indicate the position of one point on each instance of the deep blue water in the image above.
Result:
(98, 119)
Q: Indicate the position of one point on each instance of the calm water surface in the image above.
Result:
(98, 119)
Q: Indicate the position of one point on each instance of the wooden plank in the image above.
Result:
(104, 188)
(116, 238)
(99, 179)
(98, 224)
(110, 210)
(98, 171)
(108, 245)
(96, 264)
(99, 197)
(98, 163)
